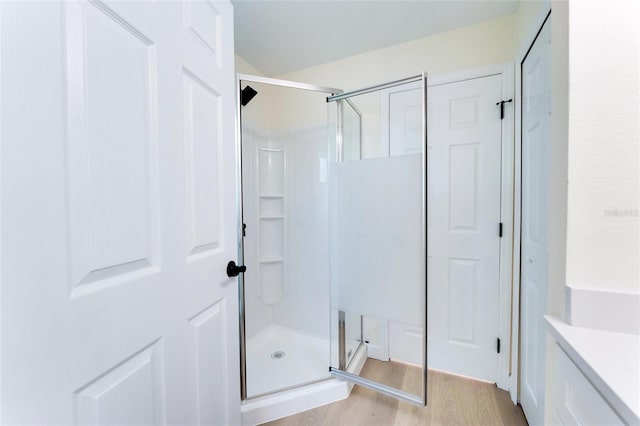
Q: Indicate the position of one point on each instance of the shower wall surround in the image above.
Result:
(271, 224)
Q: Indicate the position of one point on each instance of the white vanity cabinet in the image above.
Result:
(594, 377)
(575, 401)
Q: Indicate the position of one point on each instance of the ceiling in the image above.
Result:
(281, 36)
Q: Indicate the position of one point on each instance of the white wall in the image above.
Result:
(486, 43)
(244, 67)
(477, 45)
(557, 220)
(603, 230)
(474, 46)
(526, 22)
(482, 44)
(559, 159)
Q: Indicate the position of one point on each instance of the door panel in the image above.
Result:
(405, 121)
(206, 330)
(110, 126)
(118, 202)
(536, 135)
(202, 151)
(130, 393)
(465, 143)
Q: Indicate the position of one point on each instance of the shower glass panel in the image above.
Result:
(285, 290)
(377, 244)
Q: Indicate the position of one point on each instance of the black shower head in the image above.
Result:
(246, 95)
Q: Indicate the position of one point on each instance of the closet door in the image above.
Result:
(464, 288)
(118, 214)
(536, 137)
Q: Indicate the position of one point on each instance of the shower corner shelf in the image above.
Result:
(271, 212)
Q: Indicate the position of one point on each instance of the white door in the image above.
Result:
(118, 214)
(464, 143)
(464, 243)
(536, 135)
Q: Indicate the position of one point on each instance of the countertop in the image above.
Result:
(611, 362)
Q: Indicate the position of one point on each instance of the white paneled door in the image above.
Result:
(464, 206)
(464, 170)
(536, 136)
(118, 214)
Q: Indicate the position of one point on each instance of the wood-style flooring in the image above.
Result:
(451, 400)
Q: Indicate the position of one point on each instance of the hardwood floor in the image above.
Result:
(451, 400)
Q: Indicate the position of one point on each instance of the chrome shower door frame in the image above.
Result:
(239, 203)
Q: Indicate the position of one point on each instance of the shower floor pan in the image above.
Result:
(280, 357)
(305, 360)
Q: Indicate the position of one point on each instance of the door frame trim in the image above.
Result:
(532, 34)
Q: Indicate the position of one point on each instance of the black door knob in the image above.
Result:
(234, 270)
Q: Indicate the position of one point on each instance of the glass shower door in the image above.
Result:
(377, 240)
(284, 293)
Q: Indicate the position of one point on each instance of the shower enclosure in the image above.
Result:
(333, 238)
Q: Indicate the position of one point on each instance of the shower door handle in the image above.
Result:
(234, 270)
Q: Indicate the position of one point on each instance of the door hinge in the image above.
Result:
(244, 229)
(501, 103)
(498, 345)
(500, 230)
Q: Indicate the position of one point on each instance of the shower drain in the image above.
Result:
(278, 355)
